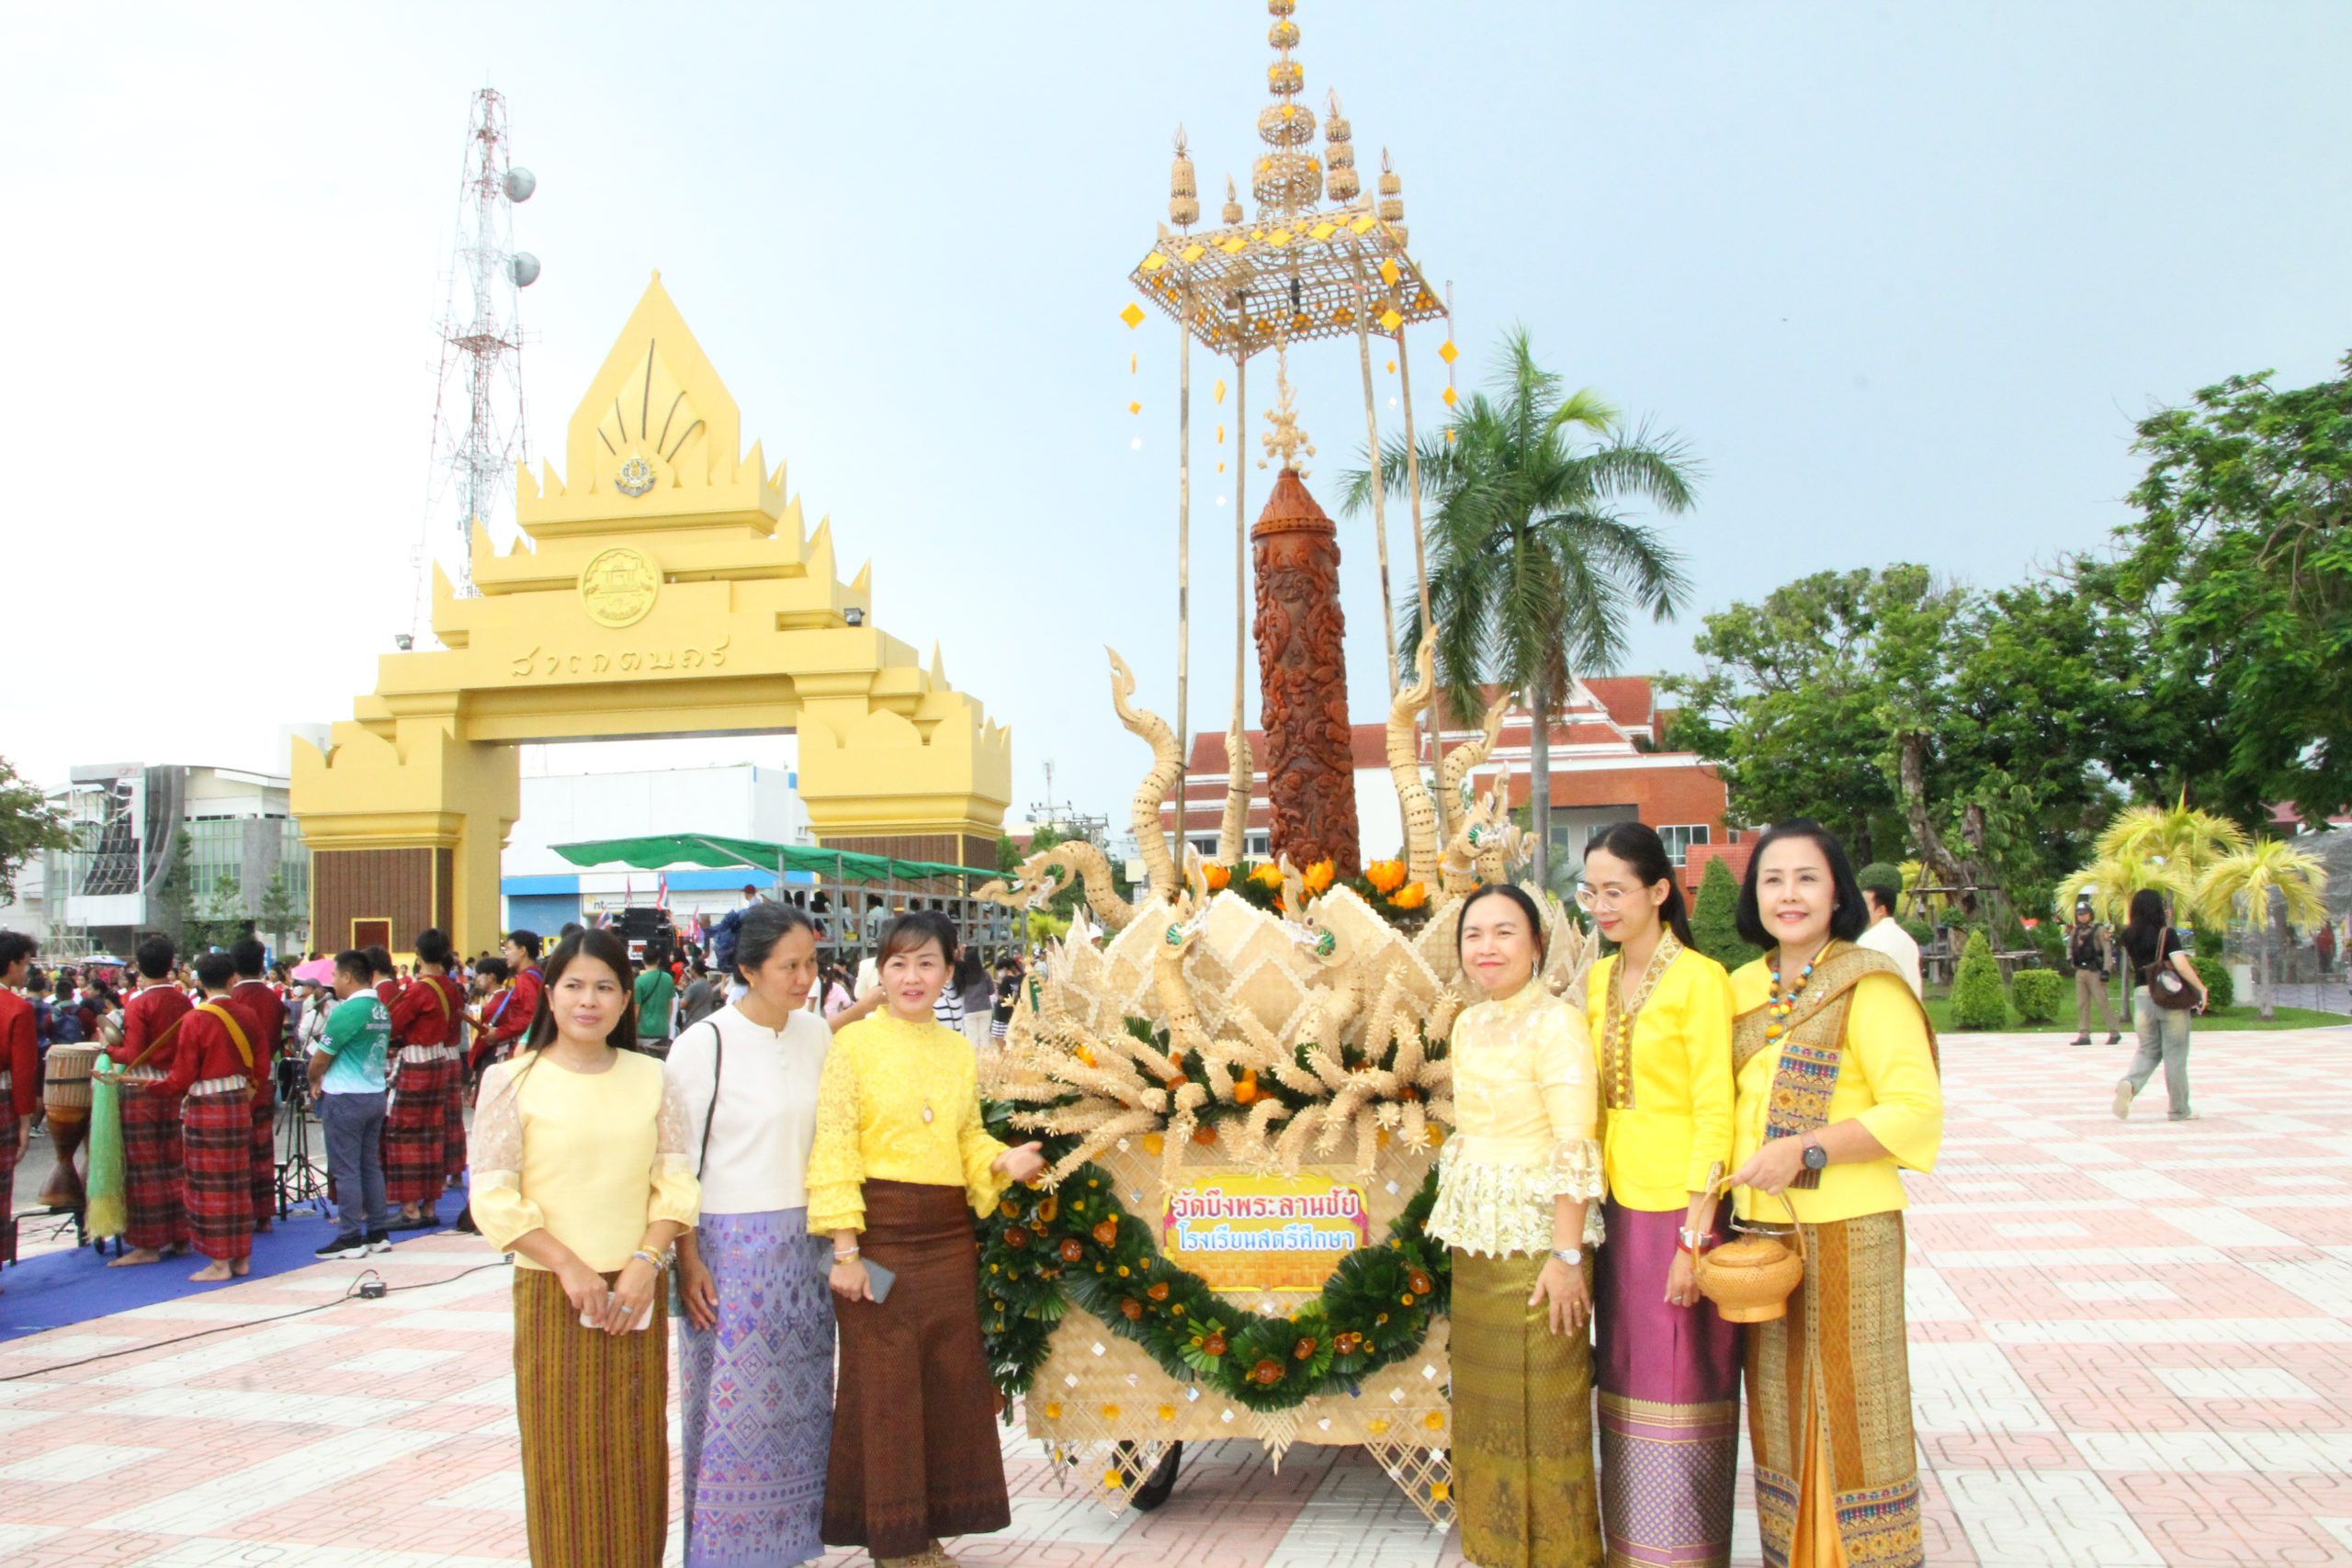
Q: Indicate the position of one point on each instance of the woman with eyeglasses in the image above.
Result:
(1834, 1064)
(1661, 1014)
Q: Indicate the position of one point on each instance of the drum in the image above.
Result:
(66, 1095)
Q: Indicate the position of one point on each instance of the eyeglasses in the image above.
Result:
(1608, 898)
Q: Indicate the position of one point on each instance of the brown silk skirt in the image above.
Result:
(1523, 1422)
(914, 1456)
(596, 1453)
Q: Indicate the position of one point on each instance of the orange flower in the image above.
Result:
(1219, 877)
(1386, 875)
(1107, 1233)
(1131, 1308)
(1205, 1134)
(1245, 1088)
(1412, 895)
(1318, 876)
(1266, 1373)
(1267, 875)
(1157, 1290)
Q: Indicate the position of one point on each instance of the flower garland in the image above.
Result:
(1040, 1251)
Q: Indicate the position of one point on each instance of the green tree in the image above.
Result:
(1714, 925)
(28, 825)
(2244, 545)
(1533, 570)
(1977, 999)
(283, 915)
(2276, 886)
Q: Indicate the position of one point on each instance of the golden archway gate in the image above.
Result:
(667, 587)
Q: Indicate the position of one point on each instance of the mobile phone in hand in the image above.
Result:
(878, 1281)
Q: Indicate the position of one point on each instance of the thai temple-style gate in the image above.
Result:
(668, 588)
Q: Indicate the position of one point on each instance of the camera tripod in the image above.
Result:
(301, 1179)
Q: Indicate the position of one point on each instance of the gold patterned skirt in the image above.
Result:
(1829, 1408)
(595, 1449)
(1523, 1422)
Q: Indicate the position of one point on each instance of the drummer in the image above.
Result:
(19, 1061)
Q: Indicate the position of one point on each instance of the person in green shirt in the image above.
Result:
(654, 991)
(346, 1075)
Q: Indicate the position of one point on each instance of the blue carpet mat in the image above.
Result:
(60, 1289)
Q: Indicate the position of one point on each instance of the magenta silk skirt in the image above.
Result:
(1669, 1404)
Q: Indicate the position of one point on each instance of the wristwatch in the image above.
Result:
(1572, 1257)
(1815, 1156)
(1694, 1241)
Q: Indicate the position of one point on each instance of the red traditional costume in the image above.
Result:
(428, 1036)
(153, 1166)
(213, 1068)
(19, 1080)
(264, 1011)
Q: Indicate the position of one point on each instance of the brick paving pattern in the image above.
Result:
(2132, 1343)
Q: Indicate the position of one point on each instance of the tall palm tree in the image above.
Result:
(2276, 885)
(2180, 835)
(2110, 881)
(1533, 571)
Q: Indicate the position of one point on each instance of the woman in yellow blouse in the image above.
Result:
(580, 1168)
(1660, 1012)
(1515, 1185)
(900, 1165)
(1838, 1091)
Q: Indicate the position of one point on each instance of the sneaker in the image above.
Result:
(378, 1242)
(2123, 1100)
(342, 1246)
(2080, 1040)
(2115, 1040)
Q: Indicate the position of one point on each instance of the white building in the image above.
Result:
(745, 800)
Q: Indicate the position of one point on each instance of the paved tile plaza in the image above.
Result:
(2132, 1343)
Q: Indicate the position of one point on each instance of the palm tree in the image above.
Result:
(2110, 882)
(2179, 835)
(1533, 571)
(2276, 885)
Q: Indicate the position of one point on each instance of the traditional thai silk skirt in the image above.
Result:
(595, 1457)
(264, 1149)
(1523, 1422)
(7, 1133)
(217, 1119)
(1829, 1407)
(154, 1164)
(453, 1124)
(914, 1451)
(417, 1126)
(1669, 1404)
(755, 1413)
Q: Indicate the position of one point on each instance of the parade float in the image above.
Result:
(1240, 1074)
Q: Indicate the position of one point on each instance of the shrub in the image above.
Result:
(2038, 993)
(1977, 1001)
(2221, 989)
(1713, 924)
(1920, 930)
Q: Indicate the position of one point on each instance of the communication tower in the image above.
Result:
(478, 430)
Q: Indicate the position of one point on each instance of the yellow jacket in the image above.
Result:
(1658, 1150)
(1887, 1080)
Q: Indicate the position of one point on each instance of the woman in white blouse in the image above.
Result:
(756, 1343)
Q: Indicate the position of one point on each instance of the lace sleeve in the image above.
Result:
(676, 1195)
(836, 1160)
(1569, 1082)
(494, 1154)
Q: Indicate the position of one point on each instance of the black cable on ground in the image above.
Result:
(358, 1291)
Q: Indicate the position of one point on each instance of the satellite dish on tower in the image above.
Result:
(524, 268)
(520, 184)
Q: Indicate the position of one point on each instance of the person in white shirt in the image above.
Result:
(1885, 934)
(759, 1323)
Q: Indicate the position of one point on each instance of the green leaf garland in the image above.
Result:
(1040, 1251)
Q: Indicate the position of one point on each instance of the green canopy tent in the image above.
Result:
(656, 851)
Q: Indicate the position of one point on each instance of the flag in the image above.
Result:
(662, 890)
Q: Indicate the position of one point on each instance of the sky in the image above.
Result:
(1900, 278)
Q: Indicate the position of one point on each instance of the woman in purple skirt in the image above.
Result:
(1660, 1014)
(756, 1345)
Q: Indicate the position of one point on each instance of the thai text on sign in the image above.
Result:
(1242, 1230)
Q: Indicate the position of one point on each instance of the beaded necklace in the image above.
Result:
(1779, 1006)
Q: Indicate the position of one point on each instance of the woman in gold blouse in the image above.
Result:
(1839, 1093)
(1515, 1191)
(580, 1168)
(900, 1165)
(1669, 1364)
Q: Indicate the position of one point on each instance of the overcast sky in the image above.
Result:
(1902, 276)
